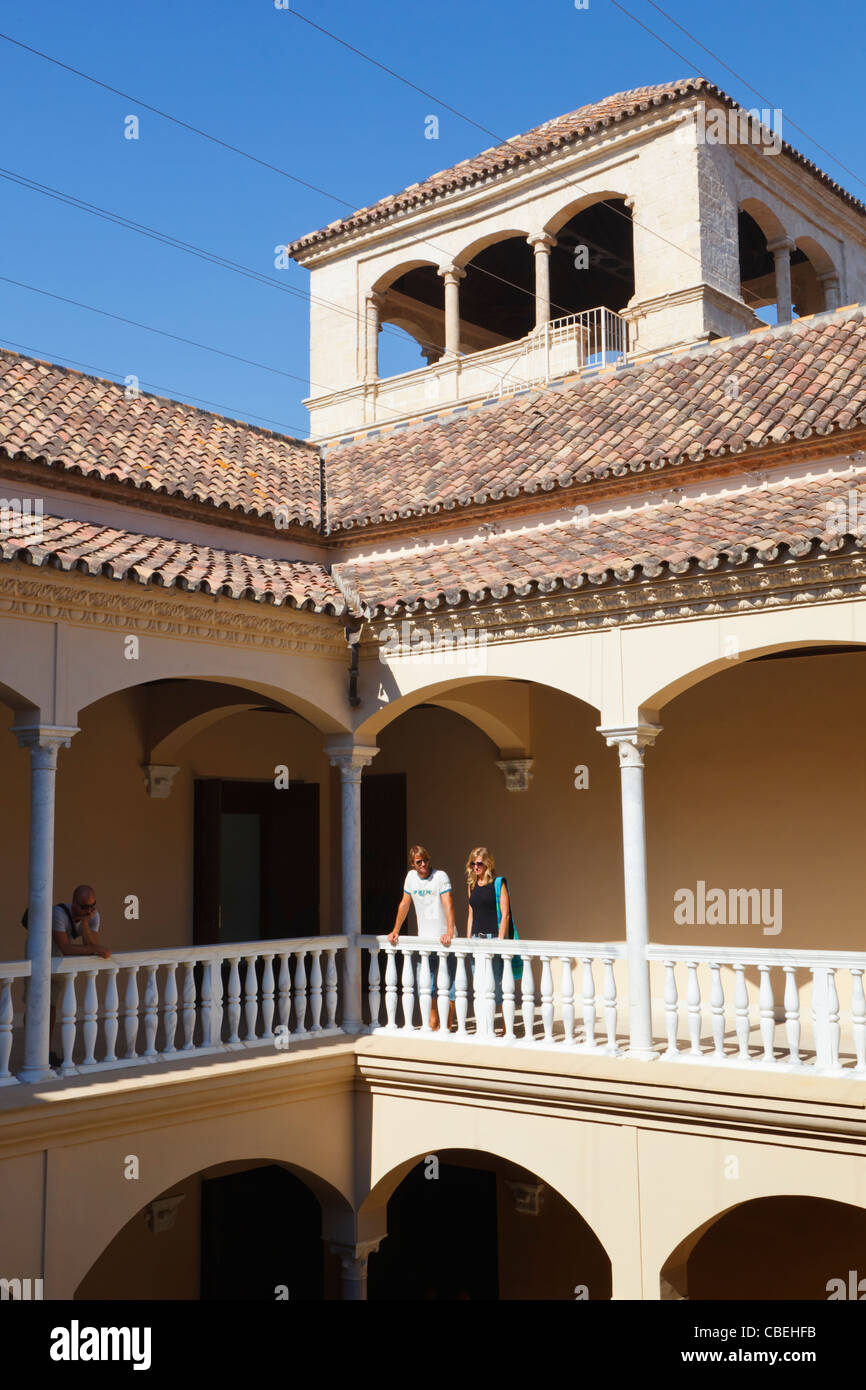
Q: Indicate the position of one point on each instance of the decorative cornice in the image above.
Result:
(674, 592)
(34, 594)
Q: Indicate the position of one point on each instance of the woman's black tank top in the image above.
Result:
(482, 900)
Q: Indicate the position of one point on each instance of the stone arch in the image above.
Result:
(689, 669)
(395, 272)
(481, 243)
(768, 221)
(574, 206)
(699, 1267)
(335, 1206)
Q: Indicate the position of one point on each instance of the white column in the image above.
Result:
(830, 285)
(630, 743)
(353, 1261)
(44, 742)
(781, 250)
(542, 245)
(351, 759)
(452, 275)
(374, 306)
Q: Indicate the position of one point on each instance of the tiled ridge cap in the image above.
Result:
(645, 365)
(508, 154)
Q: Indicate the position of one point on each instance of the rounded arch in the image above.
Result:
(768, 221)
(481, 243)
(575, 206)
(125, 1239)
(692, 669)
(817, 254)
(778, 1246)
(387, 278)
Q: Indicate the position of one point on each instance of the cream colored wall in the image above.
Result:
(110, 833)
(141, 1263)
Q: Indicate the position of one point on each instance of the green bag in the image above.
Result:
(516, 962)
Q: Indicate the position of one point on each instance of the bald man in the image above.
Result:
(74, 928)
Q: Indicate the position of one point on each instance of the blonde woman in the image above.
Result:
(489, 913)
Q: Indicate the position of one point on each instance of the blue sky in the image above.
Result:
(260, 78)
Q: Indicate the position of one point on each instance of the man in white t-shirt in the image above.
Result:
(429, 890)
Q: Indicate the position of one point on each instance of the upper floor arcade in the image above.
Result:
(646, 222)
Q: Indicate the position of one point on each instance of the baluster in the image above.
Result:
(268, 996)
(833, 1019)
(67, 1026)
(130, 1011)
(90, 1019)
(768, 1014)
(443, 989)
(610, 1007)
(717, 1007)
(391, 992)
(489, 1004)
(207, 974)
(508, 1007)
(527, 994)
(316, 991)
(792, 1016)
(672, 1016)
(284, 991)
(7, 1013)
(188, 1006)
(588, 994)
(169, 1008)
(109, 1026)
(741, 1007)
(461, 994)
(251, 998)
(234, 1004)
(408, 980)
(547, 998)
(216, 1002)
(374, 988)
(151, 1016)
(331, 991)
(425, 991)
(858, 1018)
(300, 995)
(566, 985)
(693, 1000)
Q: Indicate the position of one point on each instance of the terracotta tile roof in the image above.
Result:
(84, 424)
(561, 130)
(666, 537)
(102, 550)
(804, 378)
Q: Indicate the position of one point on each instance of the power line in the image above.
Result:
(232, 412)
(734, 73)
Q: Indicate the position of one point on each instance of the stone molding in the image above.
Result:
(116, 605)
(674, 593)
(517, 773)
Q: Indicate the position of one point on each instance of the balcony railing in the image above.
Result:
(793, 1011)
(595, 338)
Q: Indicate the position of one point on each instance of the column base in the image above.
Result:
(29, 1075)
(642, 1054)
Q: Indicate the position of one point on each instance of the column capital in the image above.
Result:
(631, 740)
(542, 242)
(46, 736)
(159, 779)
(350, 758)
(451, 273)
(353, 1256)
(782, 243)
(517, 773)
(375, 298)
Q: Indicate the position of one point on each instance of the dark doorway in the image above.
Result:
(442, 1237)
(256, 861)
(260, 1230)
(383, 849)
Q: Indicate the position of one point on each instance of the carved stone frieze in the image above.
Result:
(26, 592)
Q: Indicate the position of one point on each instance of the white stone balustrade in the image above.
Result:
(764, 1008)
(157, 1006)
(535, 1009)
